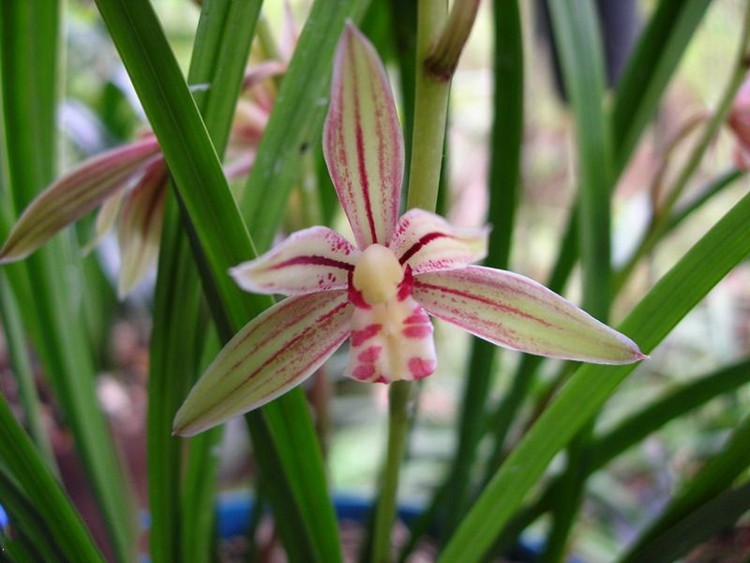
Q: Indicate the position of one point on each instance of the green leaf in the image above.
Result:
(297, 119)
(696, 526)
(576, 36)
(56, 526)
(180, 530)
(665, 305)
(49, 303)
(507, 131)
(714, 478)
(633, 429)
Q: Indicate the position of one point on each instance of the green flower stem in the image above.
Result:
(660, 219)
(430, 113)
(398, 422)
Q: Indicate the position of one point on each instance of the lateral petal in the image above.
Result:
(362, 140)
(308, 261)
(274, 352)
(521, 314)
(73, 195)
(139, 226)
(428, 243)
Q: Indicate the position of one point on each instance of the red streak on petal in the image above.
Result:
(308, 360)
(406, 286)
(417, 246)
(313, 261)
(359, 138)
(418, 316)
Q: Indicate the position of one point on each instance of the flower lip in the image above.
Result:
(377, 274)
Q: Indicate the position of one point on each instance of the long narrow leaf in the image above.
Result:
(576, 34)
(696, 526)
(50, 306)
(714, 478)
(655, 316)
(649, 69)
(59, 518)
(297, 119)
(224, 33)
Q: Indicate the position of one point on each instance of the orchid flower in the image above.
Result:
(379, 292)
(129, 185)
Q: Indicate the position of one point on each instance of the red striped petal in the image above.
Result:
(312, 260)
(139, 226)
(428, 243)
(273, 353)
(362, 140)
(73, 196)
(518, 313)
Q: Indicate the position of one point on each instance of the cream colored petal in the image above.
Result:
(362, 140)
(273, 353)
(428, 243)
(312, 260)
(521, 314)
(73, 196)
(139, 226)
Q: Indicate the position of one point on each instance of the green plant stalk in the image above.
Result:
(430, 113)
(704, 265)
(507, 131)
(661, 215)
(30, 93)
(399, 396)
(224, 34)
(297, 119)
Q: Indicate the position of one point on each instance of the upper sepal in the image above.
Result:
(516, 312)
(362, 140)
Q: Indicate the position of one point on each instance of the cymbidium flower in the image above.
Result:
(129, 184)
(379, 292)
